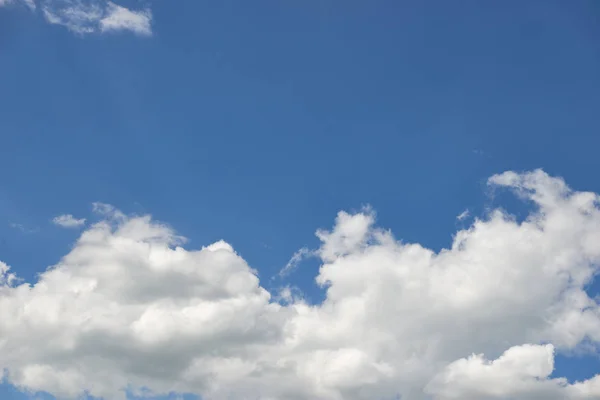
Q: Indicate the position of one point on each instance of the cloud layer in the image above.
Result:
(128, 307)
(91, 16)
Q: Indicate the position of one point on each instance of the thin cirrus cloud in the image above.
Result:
(68, 221)
(129, 308)
(29, 3)
(296, 259)
(22, 228)
(463, 215)
(90, 16)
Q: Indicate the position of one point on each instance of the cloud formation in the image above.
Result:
(91, 16)
(22, 228)
(29, 3)
(68, 221)
(296, 259)
(128, 307)
(463, 215)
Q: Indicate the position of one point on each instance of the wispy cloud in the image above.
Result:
(28, 3)
(297, 257)
(107, 211)
(68, 221)
(463, 215)
(23, 228)
(119, 18)
(91, 16)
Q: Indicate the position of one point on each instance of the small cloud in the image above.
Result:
(297, 257)
(7, 278)
(77, 17)
(23, 228)
(28, 3)
(103, 208)
(108, 211)
(119, 18)
(463, 215)
(289, 295)
(68, 221)
(91, 16)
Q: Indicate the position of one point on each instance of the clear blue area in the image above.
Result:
(256, 121)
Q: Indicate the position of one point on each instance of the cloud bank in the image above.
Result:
(128, 308)
(91, 16)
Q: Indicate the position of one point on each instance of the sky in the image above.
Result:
(299, 200)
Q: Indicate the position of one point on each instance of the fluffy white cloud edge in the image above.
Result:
(129, 308)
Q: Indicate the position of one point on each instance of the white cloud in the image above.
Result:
(119, 18)
(28, 3)
(76, 16)
(92, 16)
(296, 259)
(103, 208)
(526, 367)
(6, 277)
(128, 307)
(68, 221)
(463, 215)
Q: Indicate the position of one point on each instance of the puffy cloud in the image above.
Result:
(68, 221)
(128, 307)
(526, 367)
(92, 16)
(6, 277)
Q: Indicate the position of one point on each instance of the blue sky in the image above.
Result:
(256, 122)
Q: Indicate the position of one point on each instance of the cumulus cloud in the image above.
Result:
(526, 367)
(128, 307)
(92, 16)
(68, 221)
